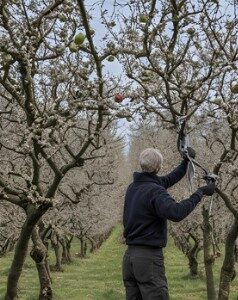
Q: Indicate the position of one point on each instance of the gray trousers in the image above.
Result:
(144, 274)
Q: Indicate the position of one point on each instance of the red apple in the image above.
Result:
(119, 98)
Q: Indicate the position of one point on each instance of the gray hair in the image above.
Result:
(151, 160)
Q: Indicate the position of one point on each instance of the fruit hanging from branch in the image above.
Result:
(129, 119)
(73, 47)
(143, 18)
(62, 18)
(191, 31)
(79, 38)
(119, 98)
(234, 88)
(111, 58)
(5, 59)
(78, 94)
(217, 101)
(92, 31)
(145, 76)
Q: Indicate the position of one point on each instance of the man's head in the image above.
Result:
(151, 160)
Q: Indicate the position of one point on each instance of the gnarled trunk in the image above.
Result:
(58, 253)
(68, 247)
(208, 257)
(66, 255)
(236, 250)
(82, 247)
(65, 259)
(85, 247)
(228, 270)
(21, 252)
(39, 255)
(8, 245)
(193, 256)
(92, 242)
(193, 264)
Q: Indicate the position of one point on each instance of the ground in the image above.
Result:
(98, 277)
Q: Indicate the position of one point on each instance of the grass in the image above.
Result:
(98, 277)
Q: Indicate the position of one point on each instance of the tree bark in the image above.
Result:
(65, 258)
(21, 252)
(58, 255)
(68, 246)
(92, 248)
(7, 246)
(192, 257)
(11, 245)
(85, 248)
(39, 255)
(193, 265)
(236, 250)
(58, 252)
(208, 258)
(46, 243)
(228, 269)
(81, 247)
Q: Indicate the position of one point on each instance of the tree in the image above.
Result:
(10, 224)
(53, 101)
(179, 57)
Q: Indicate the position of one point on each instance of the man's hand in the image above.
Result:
(190, 152)
(209, 189)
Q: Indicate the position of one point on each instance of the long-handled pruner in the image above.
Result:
(183, 144)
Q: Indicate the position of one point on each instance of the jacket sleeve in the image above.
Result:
(167, 208)
(176, 175)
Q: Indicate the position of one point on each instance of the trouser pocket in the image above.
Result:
(126, 269)
(159, 273)
(143, 269)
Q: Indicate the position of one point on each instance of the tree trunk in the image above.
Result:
(58, 256)
(192, 257)
(39, 255)
(6, 246)
(193, 265)
(228, 270)
(11, 245)
(81, 247)
(46, 243)
(43, 235)
(236, 250)
(66, 244)
(92, 248)
(65, 258)
(208, 258)
(85, 248)
(68, 247)
(20, 254)
(58, 253)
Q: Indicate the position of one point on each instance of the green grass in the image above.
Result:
(98, 277)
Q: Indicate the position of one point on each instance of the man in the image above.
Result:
(147, 208)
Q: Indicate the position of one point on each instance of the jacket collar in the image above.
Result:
(145, 176)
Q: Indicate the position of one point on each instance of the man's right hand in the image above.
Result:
(209, 189)
(190, 153)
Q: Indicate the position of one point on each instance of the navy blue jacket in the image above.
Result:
(148, 205)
